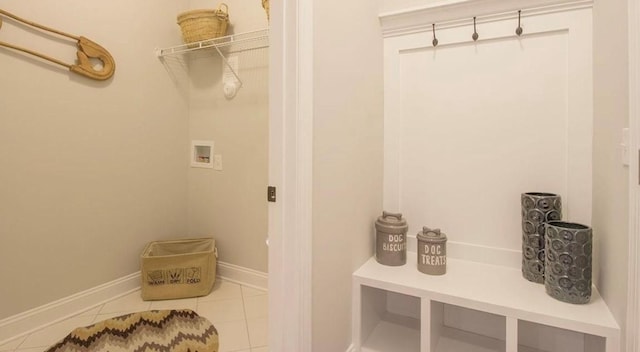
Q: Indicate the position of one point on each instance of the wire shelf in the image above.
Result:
(228, 44)
(223, 46)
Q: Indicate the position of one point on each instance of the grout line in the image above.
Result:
(95, 317)
(23, 341)
(246, 321)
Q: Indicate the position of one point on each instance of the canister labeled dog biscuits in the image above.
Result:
(391, 239)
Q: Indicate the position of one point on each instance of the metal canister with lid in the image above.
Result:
(432, 251)
(391, 239)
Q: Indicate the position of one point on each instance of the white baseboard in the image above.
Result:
(39, 317)
(242, 275)
(24, 323)
(351, 348)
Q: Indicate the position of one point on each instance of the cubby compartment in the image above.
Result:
(533, 337)
(475, 307)
(390, 321)
(458, 329)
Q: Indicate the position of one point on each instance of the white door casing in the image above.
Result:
(290, 143)
(633, 297)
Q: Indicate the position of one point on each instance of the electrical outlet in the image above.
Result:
(217, 162)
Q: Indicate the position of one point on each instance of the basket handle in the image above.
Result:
(226, 8)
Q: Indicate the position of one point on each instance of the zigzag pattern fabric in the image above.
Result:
(149, 331)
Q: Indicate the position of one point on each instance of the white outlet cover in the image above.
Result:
(217, 162)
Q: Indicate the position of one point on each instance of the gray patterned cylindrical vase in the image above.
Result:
(568, 261)
(537, 209)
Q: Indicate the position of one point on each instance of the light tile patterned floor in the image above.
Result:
(238, 312)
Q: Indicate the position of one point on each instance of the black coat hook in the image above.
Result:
(475, 32)
(519, 29)
(435, 40)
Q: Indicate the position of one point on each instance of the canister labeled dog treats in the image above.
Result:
(432, 251)
(391, 239)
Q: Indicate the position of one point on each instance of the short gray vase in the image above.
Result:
(568, 261)
(537, 209)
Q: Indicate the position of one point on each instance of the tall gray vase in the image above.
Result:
(537, 209)
(568, 261)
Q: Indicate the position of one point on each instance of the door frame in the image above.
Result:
(633, 297)
(290, 170)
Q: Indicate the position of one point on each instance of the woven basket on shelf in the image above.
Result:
(197, 25)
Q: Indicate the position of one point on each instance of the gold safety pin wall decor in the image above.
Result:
(87, 50)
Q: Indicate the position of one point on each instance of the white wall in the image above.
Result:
(347, 159)
(340, 221)
(445, 160)
(610, 177)
(89, 171)
(393, 5)
(231, 204)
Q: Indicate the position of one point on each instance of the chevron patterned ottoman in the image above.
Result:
(149, 331)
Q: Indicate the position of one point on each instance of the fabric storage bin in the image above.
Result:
(178, 268)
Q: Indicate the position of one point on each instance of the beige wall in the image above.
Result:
(610, 177)
(89, 171)
(347, 159)
(231, 204)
